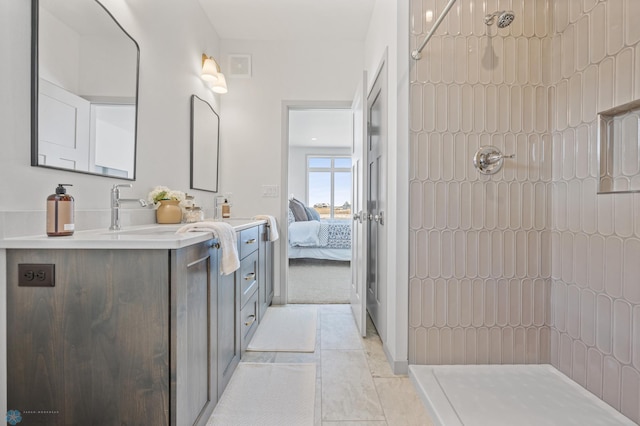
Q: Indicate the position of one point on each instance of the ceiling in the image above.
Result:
(331, 128)
(289, 19)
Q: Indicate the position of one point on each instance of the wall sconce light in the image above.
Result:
(211, 74)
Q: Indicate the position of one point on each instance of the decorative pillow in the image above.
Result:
(298, 210)
(312, 214)
(292, 218)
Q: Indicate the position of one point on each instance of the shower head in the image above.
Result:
(505, 18)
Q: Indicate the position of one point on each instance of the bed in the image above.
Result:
(328, 239)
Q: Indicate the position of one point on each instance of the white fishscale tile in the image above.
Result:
(421, 253)
(429, 107)
(590, 93)
(540, 206)
(448, 60)
(605, 84)
(453, 202)
(459, 238)
(596, 263)
(594, 371)
(597, 33)
(515, 302)
(472, 254)
(635, 340)
(580, 259)
(453, 304)
(624, 76)
(615, 23)
(465, 205)
(556, 260)
(460, 55)
(588, 317)
(440, 298)
(497, 46)
(435, 55)
(446, 259)
(582, 43)
(491, 109)
(478, 108)
(447, 157)
(441, 204)
(611, 382)
(637, 71)
(509, 248)
(556, 58)
(568, 154)
(435, 148)
(521, 254)
(594, 161)
(613, 266)
(631, 272)
(605, 214)
(522, 67)
(433, 258)
(428, 303)
(503, 205)
(535, 61)
(484, 254)
(573, 205)
(604, 307)
(562, 105)
(515, 206)
(568, 52)
(622, 331)
(575, 99)
(415, 299)
(561, 15)
(567, 257)
(473, 61)
(460, 158)
(528, 109)
(533, 257)
(441, 107)
(546, 254)
(528, 23)
(623, 208)
(541, 109)
(579, 363)
(582, 152)
(516, 109)
(573, 311)
(466, 108)
(415, 99)
(630, 390)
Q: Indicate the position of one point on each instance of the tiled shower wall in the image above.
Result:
(529, 265)
(480, 263)
(595, 298)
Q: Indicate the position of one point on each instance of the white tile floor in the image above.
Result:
(354, 382)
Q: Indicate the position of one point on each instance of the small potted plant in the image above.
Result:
(167, 203)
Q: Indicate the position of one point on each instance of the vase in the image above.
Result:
(169, 211)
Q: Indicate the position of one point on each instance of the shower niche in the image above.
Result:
(619, 148)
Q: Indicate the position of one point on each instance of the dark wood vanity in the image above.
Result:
(132, 336)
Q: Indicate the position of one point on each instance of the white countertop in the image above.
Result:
(134, 237)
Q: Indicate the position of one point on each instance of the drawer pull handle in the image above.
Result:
(251, 241)
(251, 320)
(215, 246)
(250, 276)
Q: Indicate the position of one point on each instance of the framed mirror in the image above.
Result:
(205, 146)
(84, 89)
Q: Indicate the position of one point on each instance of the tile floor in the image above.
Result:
(354, 382)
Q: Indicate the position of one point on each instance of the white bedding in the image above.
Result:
(304, 234)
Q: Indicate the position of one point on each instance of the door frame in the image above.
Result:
(292, 105)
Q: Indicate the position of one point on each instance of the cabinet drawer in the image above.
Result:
(248, 241)
(248, 277)
(248, 320)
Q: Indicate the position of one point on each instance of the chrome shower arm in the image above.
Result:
(416, 54)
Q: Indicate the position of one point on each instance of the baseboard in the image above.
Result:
(397, 366)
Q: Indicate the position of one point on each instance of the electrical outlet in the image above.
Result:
(270, 191)
(36, 275)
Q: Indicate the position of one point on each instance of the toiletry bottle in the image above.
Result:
(226, 209)
(60, 214)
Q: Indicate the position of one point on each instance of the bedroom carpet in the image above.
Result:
(286, 329)
(319, 281)
(268, 394)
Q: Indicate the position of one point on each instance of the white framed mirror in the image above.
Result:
(205, 145)
(84, 89)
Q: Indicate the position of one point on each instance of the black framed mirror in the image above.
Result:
(84, 89)
(205, 145)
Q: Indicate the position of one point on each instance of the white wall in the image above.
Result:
(172, 37)
(389, 32)
(251, 151)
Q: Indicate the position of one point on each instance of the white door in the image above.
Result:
(63, 128)
(375, 195)
(358, 235)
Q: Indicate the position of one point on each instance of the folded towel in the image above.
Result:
(226, 235)
(273, 225)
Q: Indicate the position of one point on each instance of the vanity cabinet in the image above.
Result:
(248, 275)
(124, 337)
(265, 267)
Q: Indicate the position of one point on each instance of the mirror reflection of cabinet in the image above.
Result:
(205, 131)
(84, 89)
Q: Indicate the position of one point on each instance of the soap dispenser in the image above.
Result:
(226, 209)
(60, 212)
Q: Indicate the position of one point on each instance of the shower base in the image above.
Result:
(497, 395)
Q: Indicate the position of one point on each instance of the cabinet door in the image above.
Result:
(94, 349)
(263, 286)
(194, 331)
(228, 328)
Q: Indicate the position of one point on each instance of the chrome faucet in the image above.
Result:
(115, 204)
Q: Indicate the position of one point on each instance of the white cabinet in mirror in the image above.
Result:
(85, 85)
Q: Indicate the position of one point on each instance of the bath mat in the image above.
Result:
(286, 329)
(268, 394)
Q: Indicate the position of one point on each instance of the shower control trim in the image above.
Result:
(488, 160)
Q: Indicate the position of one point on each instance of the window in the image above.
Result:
(329, 190)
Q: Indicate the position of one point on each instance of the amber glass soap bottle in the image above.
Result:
(60, 215)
